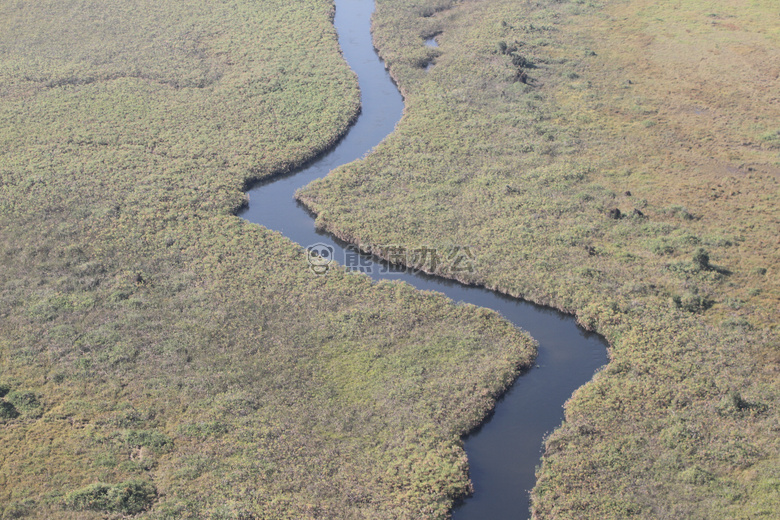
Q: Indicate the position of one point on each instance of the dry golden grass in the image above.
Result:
(686, 103)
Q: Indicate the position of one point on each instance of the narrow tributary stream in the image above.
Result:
(504, 452)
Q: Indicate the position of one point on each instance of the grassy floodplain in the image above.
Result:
(158, 355)
(537, 121)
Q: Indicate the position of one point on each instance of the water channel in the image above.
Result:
(505, 450)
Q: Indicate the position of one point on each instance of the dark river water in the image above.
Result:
(504, 452)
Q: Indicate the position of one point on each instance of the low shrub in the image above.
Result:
(130, 497)
(7, 411)
(660, 247)
(701, 259)
(152, 439)
(696, 476)
(692, 302)
(678, 211)
(518, 60)
(734, 405)
(24, 401)
(18, 509)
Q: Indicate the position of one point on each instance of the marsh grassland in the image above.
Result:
(619, 160)
(161, 357)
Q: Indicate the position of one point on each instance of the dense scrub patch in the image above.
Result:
(129, 497)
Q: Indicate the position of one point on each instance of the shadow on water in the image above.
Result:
(505, 450)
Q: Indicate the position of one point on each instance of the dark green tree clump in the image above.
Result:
(8, 411)
(701, 259)
(23, 400)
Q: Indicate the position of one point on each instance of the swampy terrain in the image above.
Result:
(619, 161)
(162, 357)
(503, 453)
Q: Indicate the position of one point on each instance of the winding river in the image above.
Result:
(505, 450)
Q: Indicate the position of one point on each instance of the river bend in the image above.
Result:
(505, 450)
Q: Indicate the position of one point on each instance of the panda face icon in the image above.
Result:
(319, 257)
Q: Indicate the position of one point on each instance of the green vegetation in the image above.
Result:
(542, 175)
(8, 411)
(129, 497)
(26, 402)
(159, 355)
